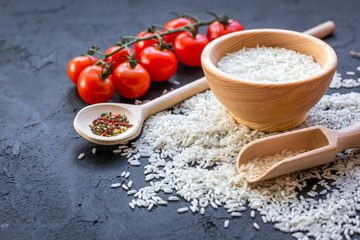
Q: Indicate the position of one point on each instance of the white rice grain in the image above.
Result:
(115, 185)
(226, 223)
(235, 214)
(134, 163)
(194, 209)
(173, 199)
(125, 187)
(183, 210)
(131, 192)
(150, 206)
(132, 206)
(81, 156)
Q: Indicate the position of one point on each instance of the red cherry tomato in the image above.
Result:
(216, 29)
(161, 64)
(188, 49)
(175, 23)
(131, 82)
(92, 89)
(118, 57)
(139, 46)
(77, 64)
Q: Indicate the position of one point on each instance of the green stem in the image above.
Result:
(223, 19)
(92, 50)
(124, 43)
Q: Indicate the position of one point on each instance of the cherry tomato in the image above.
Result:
(139, 46)
(188, 49)
(92, 89)
(161, 64)
(118, 57)
(131, 82)
(77, 64)
(175, 23)
(217, 29)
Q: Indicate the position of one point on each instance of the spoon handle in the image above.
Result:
(348, 137)
(322, 30)
(175, 97)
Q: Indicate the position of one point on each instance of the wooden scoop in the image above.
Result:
(321, 146)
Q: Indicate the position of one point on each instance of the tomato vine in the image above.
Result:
(177, 40)
(126, 41)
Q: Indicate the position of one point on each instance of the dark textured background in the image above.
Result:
(45, 192)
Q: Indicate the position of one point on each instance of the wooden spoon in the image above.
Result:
(135, 113)
(321, 146)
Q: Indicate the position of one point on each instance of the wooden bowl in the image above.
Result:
(264, 105)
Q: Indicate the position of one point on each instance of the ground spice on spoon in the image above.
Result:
(109, 125)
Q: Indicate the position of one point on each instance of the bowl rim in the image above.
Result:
(330, 65)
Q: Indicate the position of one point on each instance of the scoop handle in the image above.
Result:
(348, 137)
(322, 30)
(175, 97)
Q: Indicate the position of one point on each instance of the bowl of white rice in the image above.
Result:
(268, 79)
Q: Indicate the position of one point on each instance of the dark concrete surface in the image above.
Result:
(45, 191)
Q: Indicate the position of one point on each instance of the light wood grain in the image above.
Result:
(269, 106)
(322, 30)
(321, 145)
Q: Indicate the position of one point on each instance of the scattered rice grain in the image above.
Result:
(131, 192)
(226, 223)
(135, 163)
(132, 206)
(235, 214)
(252, 213)
(81, 156)
(173, 199)
(183, 209)
(115, 185)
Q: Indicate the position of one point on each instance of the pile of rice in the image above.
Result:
(268, 64)
(348, 82)
(252, 169)
(192, 149)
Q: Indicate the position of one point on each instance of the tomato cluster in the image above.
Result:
(129, 71)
